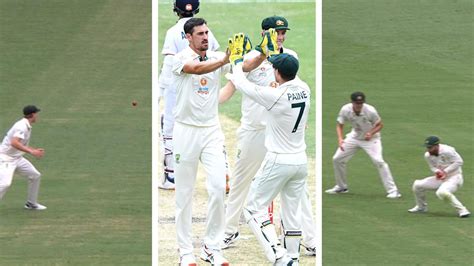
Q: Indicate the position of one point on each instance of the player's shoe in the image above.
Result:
(464, 213)
(310, 251)
(229, 239)
(394, 195)
(187, 260)
(419, 209)
(34, 206)
(214, 257)
(336, 190)
(168, 184)
(284, 261)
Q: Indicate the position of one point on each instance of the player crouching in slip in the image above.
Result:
(445, 163)
(284, 169)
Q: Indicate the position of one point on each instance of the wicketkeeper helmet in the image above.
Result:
(186, 8)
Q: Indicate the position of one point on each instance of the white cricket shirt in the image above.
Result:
(287, 111)
(175, 40)
(254, 115)
(197, 96)
(361, 123)
(21, 130)
(447, 160)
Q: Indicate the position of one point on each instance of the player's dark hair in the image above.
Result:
(193, 22)
(286, 77)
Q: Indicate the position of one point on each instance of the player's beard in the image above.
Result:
(204, 46)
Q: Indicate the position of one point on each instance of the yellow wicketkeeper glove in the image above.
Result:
(269, 45)
(238, 46)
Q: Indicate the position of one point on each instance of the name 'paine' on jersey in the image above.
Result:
(197, 96)
(288, 108)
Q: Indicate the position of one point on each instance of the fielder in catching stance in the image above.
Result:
(251, 139)
(284, 168)
(365, 134)
(175, 42)
(445, 163)
(198, 137)
(12, 149)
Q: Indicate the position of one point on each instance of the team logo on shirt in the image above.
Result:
(273, 84)
(203, 90)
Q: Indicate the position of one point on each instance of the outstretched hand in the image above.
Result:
(269, 46)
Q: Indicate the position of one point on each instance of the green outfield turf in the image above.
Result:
(225, 20)
(82, 63)
(414, 60)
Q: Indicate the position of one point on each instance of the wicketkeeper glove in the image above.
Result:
(238, 46)
(269, 45)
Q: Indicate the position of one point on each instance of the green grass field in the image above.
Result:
(225, 20)
(82, 63)
(414, 60)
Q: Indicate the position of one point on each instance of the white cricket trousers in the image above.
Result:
(250, 153)
(191, 145)
(280, 173)
(373, 148)
(444, 190)
(23, 167)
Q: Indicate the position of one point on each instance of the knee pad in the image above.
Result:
(416, 185)
(265, 232)
(442, 194)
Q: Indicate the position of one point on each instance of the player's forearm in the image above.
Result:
(199, 68)
(378, 126)
(19, 146)
(226, 92)
(252, 63)
(250, 89)
(457, 163)
(339, 131)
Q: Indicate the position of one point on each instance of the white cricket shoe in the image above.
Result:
(167, 185)
(34, 206)
(464, 213)
(214, 257)
(394, 195)
(229, 239)
(285, 260)
(418, 209)
(187, 260)
(336, 190)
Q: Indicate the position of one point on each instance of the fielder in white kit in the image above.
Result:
(12, 149)
(445, 163)
(365, 134)
(284, 168)
(175, 42)
(251, 139)
(198, 137)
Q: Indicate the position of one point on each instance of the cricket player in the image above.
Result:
(175, 42)
(365, 134)
(198, 137)
(445, 163)
(12, 149)
(284, 168)
(251, 139)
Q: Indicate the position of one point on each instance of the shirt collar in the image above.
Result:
(27, 122)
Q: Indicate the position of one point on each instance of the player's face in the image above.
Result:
(34, 117)
(357, 106)
(433, 150)
(199, 40)
(281, 37)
